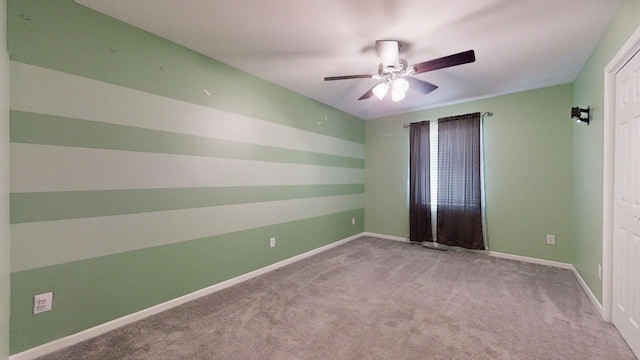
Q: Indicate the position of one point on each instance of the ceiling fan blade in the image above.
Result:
(420, 85)
(388, 50)
(444, 62)
(363, 76)
(367, 95)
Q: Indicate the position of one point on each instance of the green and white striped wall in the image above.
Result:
(142, 171)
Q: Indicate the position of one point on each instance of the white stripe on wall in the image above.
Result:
(37, 168)
(39, 90)
(38, 244)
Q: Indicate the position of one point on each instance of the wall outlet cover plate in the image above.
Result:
(42, 303)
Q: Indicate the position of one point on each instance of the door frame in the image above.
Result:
(624, 54)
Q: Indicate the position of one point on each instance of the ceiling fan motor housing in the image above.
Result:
(401, 69)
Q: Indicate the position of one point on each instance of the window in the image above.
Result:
(445, 187)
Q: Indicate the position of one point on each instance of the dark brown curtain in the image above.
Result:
(419, 184)
(459, 214)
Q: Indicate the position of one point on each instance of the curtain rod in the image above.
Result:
(486, 113)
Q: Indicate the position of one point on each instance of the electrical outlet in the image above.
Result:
(551, 239)
(272, 242)
(42, 303)
(599, 272)
(353, 221)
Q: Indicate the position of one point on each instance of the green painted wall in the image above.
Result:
(123, 283)
(92, 93)
(528, 173)
(82, 44)
(130, 186)
(588, 147)
(5, 261)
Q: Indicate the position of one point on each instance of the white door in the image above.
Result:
(626, 208)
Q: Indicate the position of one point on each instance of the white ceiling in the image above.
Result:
(519, 44)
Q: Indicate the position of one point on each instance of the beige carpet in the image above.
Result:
(377, 299)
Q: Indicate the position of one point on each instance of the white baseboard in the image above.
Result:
(73, 339)
(557, 264)
(532, 260)
(588, 291)
(387, 237)
(527, 259)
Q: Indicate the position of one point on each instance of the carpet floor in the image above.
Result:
(377, 299)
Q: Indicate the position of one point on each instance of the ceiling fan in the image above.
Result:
(394, 71)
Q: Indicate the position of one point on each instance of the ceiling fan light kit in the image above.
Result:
(398, 87)
(395, 72)
(397, 95)
(380, 90)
